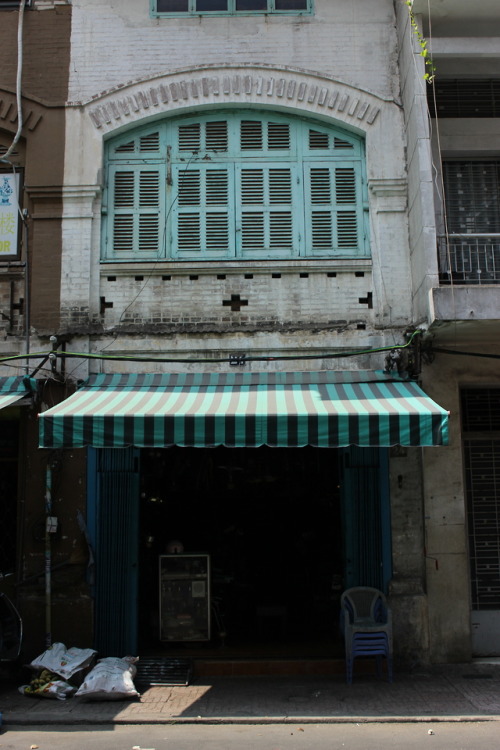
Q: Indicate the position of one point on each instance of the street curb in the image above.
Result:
(254, 720)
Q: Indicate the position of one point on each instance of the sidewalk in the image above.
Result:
(463, 692)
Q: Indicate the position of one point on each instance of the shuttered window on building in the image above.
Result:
(464, 97)
(472, 190)
(235, 187)
(231, 7)
(481, 429)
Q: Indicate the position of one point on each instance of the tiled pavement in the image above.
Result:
(453, 692)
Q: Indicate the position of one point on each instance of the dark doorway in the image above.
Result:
(9, 440)
(270, 520)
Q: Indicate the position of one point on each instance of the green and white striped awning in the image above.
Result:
(291, 409)
(15, 388)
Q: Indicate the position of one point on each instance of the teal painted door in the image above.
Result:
(366, 518)
(113, 516)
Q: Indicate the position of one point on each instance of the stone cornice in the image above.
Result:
(237, 268)
(228, 85)
(388, 187)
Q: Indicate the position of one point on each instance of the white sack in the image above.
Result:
(111, 679)
(62, 661)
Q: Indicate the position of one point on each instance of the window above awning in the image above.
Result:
(291, 409)
(15, 388)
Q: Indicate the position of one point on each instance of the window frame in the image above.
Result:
(309, 146)
(13, 4)
(193, 13)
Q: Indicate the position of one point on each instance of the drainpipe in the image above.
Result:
(19, 76)
(48, 557)
(27, 291)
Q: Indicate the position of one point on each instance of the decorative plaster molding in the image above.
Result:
(238, 268)
(388, 187)
(79, 200)
(273, 87)
(391, 193)
(8, 113)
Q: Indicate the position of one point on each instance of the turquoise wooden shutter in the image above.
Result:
(202, 216)
(268, 210)
(247, 185)
(333, 209)
(366, 519)
(136, 197)
(261, 137)
(198, 137)
(146, 144)
(116, 519)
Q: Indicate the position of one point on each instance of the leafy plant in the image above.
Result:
(430, 68)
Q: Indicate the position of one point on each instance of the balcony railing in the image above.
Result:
(469, 259)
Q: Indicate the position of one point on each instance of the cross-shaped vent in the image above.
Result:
(235, 303)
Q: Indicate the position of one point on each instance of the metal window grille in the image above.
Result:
(470, 253)
(465, 98)
(481, 423)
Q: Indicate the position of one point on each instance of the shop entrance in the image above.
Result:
(270, 520)
(286, 530)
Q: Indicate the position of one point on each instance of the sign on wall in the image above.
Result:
(9, 216)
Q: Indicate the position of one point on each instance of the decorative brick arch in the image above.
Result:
(286, 89)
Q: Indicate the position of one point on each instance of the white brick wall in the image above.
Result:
(117, 42)
(193, 298)
(338, 65)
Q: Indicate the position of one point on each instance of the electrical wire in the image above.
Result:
(442, 350)
(201, 360)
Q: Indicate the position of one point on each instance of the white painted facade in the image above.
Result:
(354, 65)
(129, 69)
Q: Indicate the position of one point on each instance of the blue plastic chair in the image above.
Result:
(366, 623)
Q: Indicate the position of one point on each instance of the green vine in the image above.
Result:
(430, 68)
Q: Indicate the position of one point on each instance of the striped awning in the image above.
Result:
(293, 409)
(15, 388)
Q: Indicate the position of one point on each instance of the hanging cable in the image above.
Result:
(211, 360)
(20, 25)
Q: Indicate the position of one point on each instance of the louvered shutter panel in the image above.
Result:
(266, 197)
(136, 200)
(208, 136)
(247, 185)
(145, 143)
(333, 214)
(264, 137)
(189, 137)
(216, 136)
(202, 212)
(472, 192)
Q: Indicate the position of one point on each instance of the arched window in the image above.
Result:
(235, 186)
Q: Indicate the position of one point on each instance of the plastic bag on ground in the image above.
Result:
(62, 661)
(48, 685)
(110, 679)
